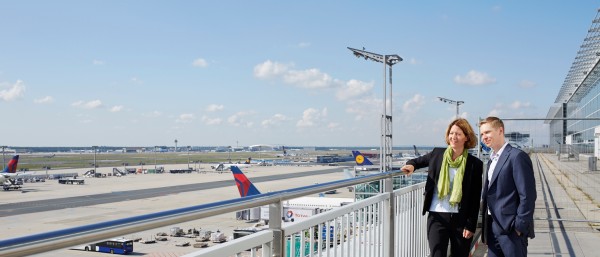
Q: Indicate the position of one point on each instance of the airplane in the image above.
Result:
(10, 171)
(293, 209)
(227, 166)
(362, 160)
(417, 154)
(245, 187)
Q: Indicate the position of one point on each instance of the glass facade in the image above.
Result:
(579, 97)
(580, 132)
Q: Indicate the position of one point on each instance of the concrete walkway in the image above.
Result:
(567, 215)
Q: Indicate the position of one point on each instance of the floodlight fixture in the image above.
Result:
(450, 101)
(390, 59)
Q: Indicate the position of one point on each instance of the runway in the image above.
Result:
(50, 206)
(119, 196)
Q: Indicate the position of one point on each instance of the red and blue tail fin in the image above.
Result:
(360, 159)
(12, 165)
(242, 182)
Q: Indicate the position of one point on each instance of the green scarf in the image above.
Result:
(444, 180)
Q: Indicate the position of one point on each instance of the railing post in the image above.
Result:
(275, 223)
(388, 219)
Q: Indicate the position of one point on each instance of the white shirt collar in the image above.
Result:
(496, 155)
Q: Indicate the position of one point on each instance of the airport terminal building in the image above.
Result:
(575, 116)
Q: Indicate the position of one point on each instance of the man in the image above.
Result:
(508, 197)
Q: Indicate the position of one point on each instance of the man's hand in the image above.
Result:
(467, 234)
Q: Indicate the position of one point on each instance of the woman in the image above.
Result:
(452, 191)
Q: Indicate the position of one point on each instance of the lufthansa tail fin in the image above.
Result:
(360, 159)
(12, 165)
(245, 187)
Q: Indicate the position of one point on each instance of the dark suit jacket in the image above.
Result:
(510, 193)
(468, 208)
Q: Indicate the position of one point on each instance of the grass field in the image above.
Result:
(34, 162)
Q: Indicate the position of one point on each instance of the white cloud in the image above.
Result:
(496, 8)
(277, 119)
(211, 121)
(238, 119)
(474, 78)
(116, 108)
(269, 69)
(98, 62)
(44, 100)
(311, 78)
(516, 105)
(214, 107)
(137, 80)
(511, 109)
(200, 63)
(15, 91)
(414, 61)
(353, 88)
(495, 112)
(364, 107)
(185, 118)
(311, 117)
(413, 104)
(527, 84)
(303, 44)
(88, 105)
(153, 114)
(333, 126)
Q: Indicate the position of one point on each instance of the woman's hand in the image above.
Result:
(408, 169)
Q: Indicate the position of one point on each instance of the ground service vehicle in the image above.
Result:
(113, 246)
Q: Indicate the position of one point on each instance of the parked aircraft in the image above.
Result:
(362, 160)
(245, 187)
(417, 154)
(227, 166)
(10, 171)
(293, 209)
(8, 175)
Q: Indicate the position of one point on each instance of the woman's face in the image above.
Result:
(456, 137)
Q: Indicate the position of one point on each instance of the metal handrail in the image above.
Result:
(58, 239)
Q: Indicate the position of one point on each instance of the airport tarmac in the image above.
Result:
(32, 223)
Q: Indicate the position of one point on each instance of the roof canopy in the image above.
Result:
(584, 72)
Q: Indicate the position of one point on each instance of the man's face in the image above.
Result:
(492, 137)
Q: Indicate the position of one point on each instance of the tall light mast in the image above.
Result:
(385, 150)
(457, 103)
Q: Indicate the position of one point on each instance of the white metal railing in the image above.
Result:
(352, 230)
(366, 228)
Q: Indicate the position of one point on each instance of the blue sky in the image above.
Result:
(139, 73)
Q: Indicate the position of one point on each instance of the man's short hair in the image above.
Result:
(495, 122)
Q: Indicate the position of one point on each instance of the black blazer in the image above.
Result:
(468, 208)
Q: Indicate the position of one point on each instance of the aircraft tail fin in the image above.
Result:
(244, 185)
(484, 147)
(416, 151)
(360, 159)
(12, 165)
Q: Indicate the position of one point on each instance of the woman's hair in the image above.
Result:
(466, 129)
